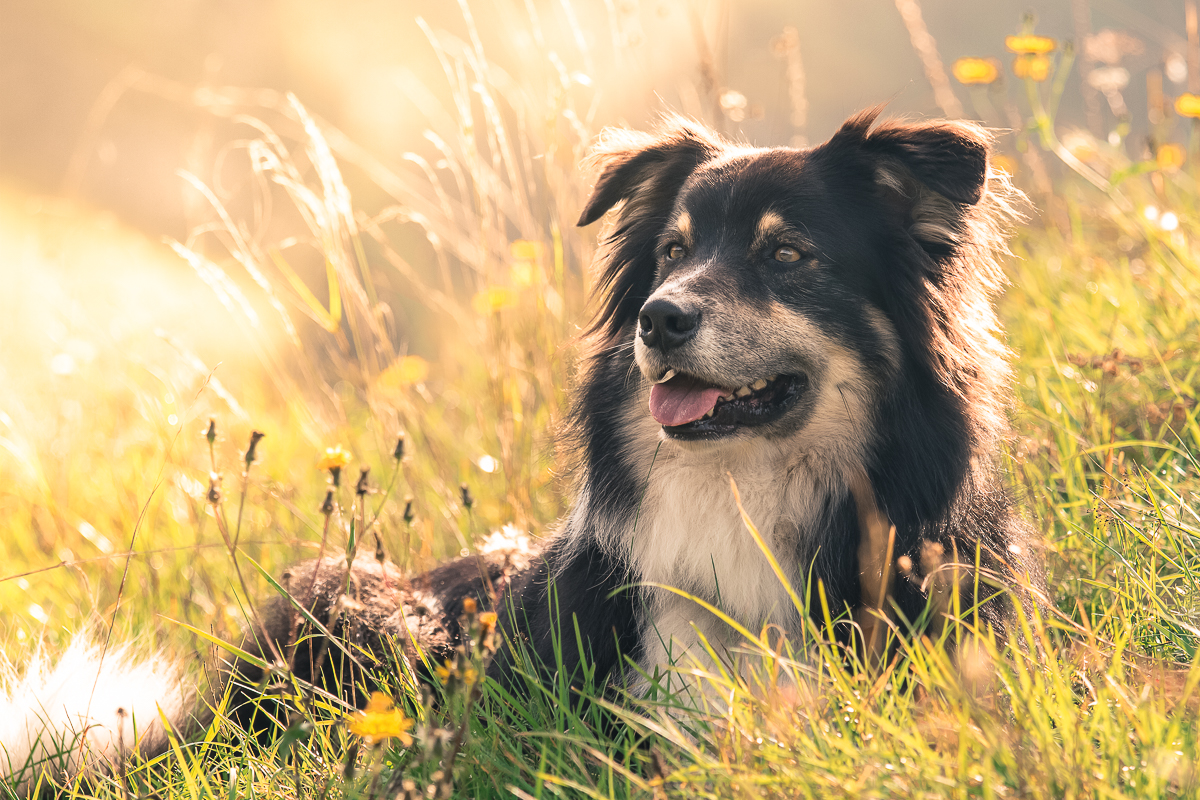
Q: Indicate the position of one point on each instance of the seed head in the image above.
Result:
(211, 432)
(214, 489)
(398, 453)
(327, 506)
(467, 499)
(409, 514)
(361, 487)
(255, 438)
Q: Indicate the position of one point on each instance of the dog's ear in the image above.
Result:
(648, 167)
(644, 172)
(930, 172)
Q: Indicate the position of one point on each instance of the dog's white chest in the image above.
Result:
(690, 535)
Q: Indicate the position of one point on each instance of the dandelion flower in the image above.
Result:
(335, 458)
(1081, 144)
(525, 250)
(405, 372)
(1170, 157)
(380, 720)
(493, 299)
(1187, 105)
(1029, 44)
(971, 71)
(1034, 67)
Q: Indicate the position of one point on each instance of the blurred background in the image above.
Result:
(97, 97)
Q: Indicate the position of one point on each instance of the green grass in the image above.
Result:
(104, 474)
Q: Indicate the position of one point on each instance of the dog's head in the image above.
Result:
(753, 282)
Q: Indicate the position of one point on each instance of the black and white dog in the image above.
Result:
(815, 324)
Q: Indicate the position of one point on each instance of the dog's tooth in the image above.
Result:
(761, 383)
(666, 376)
(743, 392)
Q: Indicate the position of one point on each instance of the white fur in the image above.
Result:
(86, 713)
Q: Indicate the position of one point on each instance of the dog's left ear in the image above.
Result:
(649, 167)
(643, 172)
(931, 172)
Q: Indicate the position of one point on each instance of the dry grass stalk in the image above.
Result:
(876, 547)
(926, 47)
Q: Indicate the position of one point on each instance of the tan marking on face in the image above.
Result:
(770, 224)
(684, 224)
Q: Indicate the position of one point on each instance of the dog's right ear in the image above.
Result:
(644, 172)
(649, 167)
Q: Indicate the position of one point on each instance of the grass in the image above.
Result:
(105, 472)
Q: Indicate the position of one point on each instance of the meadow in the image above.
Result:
(282, 314)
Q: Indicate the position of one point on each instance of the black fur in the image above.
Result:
(565, 589)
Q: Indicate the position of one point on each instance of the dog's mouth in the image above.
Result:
(688, 407)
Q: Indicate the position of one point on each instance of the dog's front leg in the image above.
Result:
(572, 614)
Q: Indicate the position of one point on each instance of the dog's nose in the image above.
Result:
(665, 325)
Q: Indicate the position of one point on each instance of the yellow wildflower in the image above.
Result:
(526, 250)
(405, 372)
(334, 458)
(526, 257)
(487, 620)
(443, 672)
(1029, 44)
(975, 70)
(1034, 67)
(1170, 157)
(1187, 105)
(493, 299)
(380, 720)
(1081, 145)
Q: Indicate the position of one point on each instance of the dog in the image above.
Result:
(812, 328)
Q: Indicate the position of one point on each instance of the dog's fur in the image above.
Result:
(861, 272)
(887, 317)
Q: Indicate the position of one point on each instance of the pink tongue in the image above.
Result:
(681, 400)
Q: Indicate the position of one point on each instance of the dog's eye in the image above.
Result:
(787, 255)
(675, 251)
